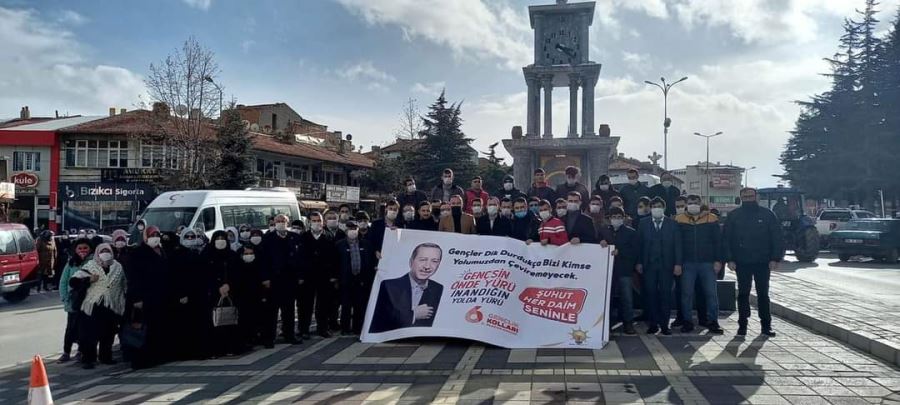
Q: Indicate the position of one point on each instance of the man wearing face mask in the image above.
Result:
(344, 215)
(667, 191)
(332, 226)
(319, 278)
(411, 194)
(476, 193)
(597, 212)
(626, 242)
(409, 215)
(643, 209)
(509, 190)
(425, 218)
(506, 208)
(579, 227)
(455, 220)
(281, 254)
(445, 190)
(534, 205)
(680, 205)
(357, 272)
(363, 221)
(552, 231)
(701, 241)
(540, 188)
(492, 223)
(390, 221)
(753, 249)
(603, 188)
(660, 261)
(572, 184)
(632, 192)
(524, 225)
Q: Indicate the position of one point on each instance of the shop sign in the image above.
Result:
(86, 191)
(24, 180)
(308, 190)
(341, 194)
(130, 175)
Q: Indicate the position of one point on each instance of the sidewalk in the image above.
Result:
(797, 367)
(869, 325)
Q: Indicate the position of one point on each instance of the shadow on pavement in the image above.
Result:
(46, 301)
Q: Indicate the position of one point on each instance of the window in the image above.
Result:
(7, 243)
(96, 153)
(26, 243)
(257, 216)
(864, 215)
(169, 219)
(208, 218)
(154, 154)
(27, 161)
(695, 185)
(840, 216)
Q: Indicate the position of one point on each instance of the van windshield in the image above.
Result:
(170, 218)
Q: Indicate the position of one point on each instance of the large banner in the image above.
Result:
(492, 289)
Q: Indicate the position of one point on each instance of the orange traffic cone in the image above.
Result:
(39, 389)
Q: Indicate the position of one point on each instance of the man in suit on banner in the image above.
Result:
(410, 300)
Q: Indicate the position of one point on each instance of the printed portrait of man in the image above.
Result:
(412, 299)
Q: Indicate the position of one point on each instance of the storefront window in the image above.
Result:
(101, 215)
(27, 161)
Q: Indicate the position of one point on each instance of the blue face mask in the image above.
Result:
(521, 214)
(535, 209)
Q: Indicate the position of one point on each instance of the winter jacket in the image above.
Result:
(282, 256)
(543, 192)
(553, 230)
(668, 194)
(626, 242)
(524, 229)
(512, 195)
(563, 190)
(319, 256)
(583, 228)
(471, 196)
(605, 195)
(437, 193)
(753, 235)
(367, 262)
(412, 199)
(499, 227)
(67, 273)
(701, 238)
(630, 196)
(466, 225)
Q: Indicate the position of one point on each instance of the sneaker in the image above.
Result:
(628, 329)
(64, 358)
(714, 328)
(677, 323)
(652, 330)
(667, 332)
(742, 330)
(687, 328)
(769, 332)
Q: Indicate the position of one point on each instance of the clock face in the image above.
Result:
(560, 43)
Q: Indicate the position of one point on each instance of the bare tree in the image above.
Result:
(185, 82)
(410, 121)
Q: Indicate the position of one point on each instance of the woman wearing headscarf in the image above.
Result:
(81, 252)
(189, 303)
(120, 246)
(137, 233)
(46, 249)
(256, 300)
(233, 243)
(244, 234)
(103, 305)
(223, 264)
(148, 277)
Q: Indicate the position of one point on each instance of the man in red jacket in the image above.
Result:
(475, 193)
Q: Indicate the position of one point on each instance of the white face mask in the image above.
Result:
(617, 222)
(570, 181)
(506, 212)
(352, 234)
(632, 181)
(572, 206)
(693, 209)
(153, 241)
(411, 188)
(316, 227)
(344, 217)
(448, 181)
(545, 215)
(256, 240)
(445, 214)
(120, 244)
(604, 187)
(476, 210)
(657, 212)
(561, 212)
(595, 209)
(280, 226)
(492, 210)
(271, 228)
(245, 235)
(679, 211)
(391, 214)
(106, 257)
(332, 223)
(140, 227)
(221, 244)
(667, 183)
(249, 258)
(507, 186)
(409, 215)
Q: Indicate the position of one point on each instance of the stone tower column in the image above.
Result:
(573, 105)
(534, 107)
(587, 106)
(548, 106)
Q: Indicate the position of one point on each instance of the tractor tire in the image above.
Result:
(844, 258)
(893, 256)
(808, 246)
(18, 295)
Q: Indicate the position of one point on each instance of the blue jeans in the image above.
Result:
(706, 275)
(625, 303)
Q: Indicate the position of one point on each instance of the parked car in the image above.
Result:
(18, 262)
(878, 238)
(831, 219)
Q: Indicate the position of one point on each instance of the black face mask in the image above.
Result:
(436, 212)
(457, 211)
(750, 204)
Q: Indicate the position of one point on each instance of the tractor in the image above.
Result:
(798, 229)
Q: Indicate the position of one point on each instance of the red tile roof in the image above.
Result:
(131, 123)
(268, 143)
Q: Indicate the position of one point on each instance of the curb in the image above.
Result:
(871, 344)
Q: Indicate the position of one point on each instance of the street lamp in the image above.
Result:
(666, 120)
(708, 137)
(747, 176)
(210, 79)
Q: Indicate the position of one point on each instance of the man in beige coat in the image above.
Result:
(453, 219)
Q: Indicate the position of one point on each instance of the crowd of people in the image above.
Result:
(178, 295)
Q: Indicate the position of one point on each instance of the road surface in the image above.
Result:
(865, 278)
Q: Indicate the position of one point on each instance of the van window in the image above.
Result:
(26, 243)
(7, 243)
(257, 216)
(208, 218)
(169, 219)
(841, 216)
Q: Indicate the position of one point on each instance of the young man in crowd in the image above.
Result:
(632, 192)
(357, 272)
(509, 190)
(524, 224)
(534, 204)
(552, 231)
(540, 188)
(344, 215)
(318, 281)
(442, 192)
(667, 191)
(476, 193)
(626, 242)
(457, 220)
(643, 209)
(492, 223)
(572, 184)
(604, 189)
(390, 220)
(332, 225)
(506, 208)
(597, 212)
(659, 262)
(579, 227)
(701, 244)
(411, 195)
(680, 205)
(283, 259)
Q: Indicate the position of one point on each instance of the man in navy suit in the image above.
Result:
(410, 300)
(659, 263)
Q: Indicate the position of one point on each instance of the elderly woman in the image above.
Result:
(103, 279)
(120, 246)
(188, 304)
(225, 282)
(233, 242)
(148, 279)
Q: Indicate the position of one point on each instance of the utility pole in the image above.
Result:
(664, 87)
(708, 137)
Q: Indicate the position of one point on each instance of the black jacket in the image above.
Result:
(320, 257)
(627, 243)
(583, 228)
(423, 224)
(544, 193)
(414, 199)
(669, 194)
(671, 243)
(563, 190)
(525, 228)
(393, 309)
(630, 196)
(375, 236)
(701, 238)
(605, 195)
(367, 262)
(753, 235)
(437, 193)
(282, 255)
(500, 227)
(511, 194)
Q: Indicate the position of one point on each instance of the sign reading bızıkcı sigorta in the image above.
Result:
(492, 289)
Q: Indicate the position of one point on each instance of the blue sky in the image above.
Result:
(351, 64)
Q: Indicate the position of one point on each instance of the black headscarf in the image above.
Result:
(74, 259)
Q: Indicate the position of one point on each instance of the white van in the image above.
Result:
(214, 210)
(648, 180)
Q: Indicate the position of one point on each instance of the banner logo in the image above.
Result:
(474, 315)
(556, 304)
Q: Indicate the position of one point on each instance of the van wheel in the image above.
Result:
(18, 295)
(892, 257)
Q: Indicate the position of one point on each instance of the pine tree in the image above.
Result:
(234, 170)
(494, 171)
(444, 146)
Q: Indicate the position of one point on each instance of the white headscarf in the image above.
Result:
(109, 289)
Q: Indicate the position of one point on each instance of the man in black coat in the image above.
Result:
(391, 220)
(524, 224)
(667, 191)
(357, 270)
(492, 223)
(627, 247)
(281, 257)
(509, 190)
(442, 192)
(412, 299)
(632, 192)
(572, 184)
(411, 195)
(579, 227)
(659, 262)
(319, 280)
(540, 188)
(753, 248)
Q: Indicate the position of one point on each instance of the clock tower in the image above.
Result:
(561, 59)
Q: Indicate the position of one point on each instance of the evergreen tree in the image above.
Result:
(494, 171)
(445, 145)
(235, 169)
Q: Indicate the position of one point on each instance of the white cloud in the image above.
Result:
(199, 4)
(365, 70)
(432, 88)
(248, 44)
(71, 17)
(47, 71)
(479, 29)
